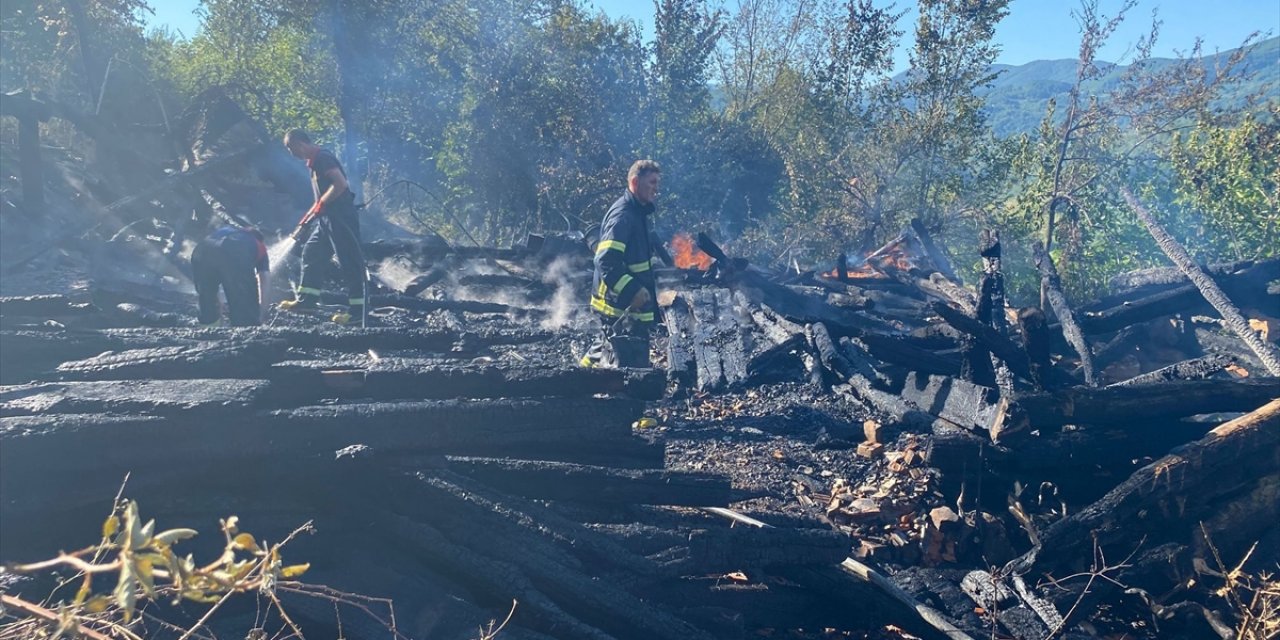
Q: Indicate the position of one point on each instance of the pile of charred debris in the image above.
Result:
(876, 451)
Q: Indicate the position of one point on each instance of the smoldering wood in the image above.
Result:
(935, 255)
(1165, 500)
(1052, 285)
(1119, 405)
(681, 357)
(595, 484)
(713, 333)
(422, 304)
(1192, 369)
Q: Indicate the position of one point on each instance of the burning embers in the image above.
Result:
(687, 255)
(903, 254)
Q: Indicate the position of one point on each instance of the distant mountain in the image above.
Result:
(1018, 98)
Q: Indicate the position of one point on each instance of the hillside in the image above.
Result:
(1017, 100)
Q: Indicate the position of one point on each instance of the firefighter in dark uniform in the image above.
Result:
(234, 260)
(336, 231)
(622, 291)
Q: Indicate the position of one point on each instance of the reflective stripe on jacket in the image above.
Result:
(623, 265)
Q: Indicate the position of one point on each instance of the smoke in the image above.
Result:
(566, 302)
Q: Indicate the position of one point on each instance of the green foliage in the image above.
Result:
(1230, 177)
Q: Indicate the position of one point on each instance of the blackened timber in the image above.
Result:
(210, 359)
(421, 304)
(1035, 341)
(595, 484)
(1052, 285)
(1129, 281)
(900, 350)
(467, 517)
(1247, 285)
(1267, 353)
(716, 338)
(154, 397)
(402, 379)
(1193, 369)
(44, 306)
(681, 358)
(494, 581)
(963, 403)
(1169, 498)
(1120, 405)
(997, 344)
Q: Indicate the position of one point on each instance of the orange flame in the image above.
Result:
(687, 255)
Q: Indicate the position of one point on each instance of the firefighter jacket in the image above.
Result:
(622, 261)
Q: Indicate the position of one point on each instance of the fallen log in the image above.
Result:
(1119, 405)
(594, 484)
(1267, 353)
(1052, 286)
(1127, 283)
(1165, 501)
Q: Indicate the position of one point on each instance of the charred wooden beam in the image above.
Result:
(1248, 284)
(211, 359)
(401, 379)
(1168, 499)
(1051, 284)
(1120, 405)
(595, 484)
(962, 403)
(997, 344)
(44, 306)
(902, 351)
(1193, 369)
(1035, 341)
(1130, 281)
(470, 518)
(1267, 353)
(194, 398)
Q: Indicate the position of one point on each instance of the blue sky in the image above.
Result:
(1034, 29)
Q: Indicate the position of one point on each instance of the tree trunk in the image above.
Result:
(1230, 314)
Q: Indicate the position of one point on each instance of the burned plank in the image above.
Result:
(393, 378)
(681, 357)
(44, 306)
(1166, 500)
(154, 397)
(903, 351)
(212, 359)
(997, 344)
(1130, 281)
(1120, 405)
(1193, 369)
(545, 558)
(594, 484)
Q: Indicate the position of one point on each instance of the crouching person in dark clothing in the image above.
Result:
(623, 289)
(234, 260)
